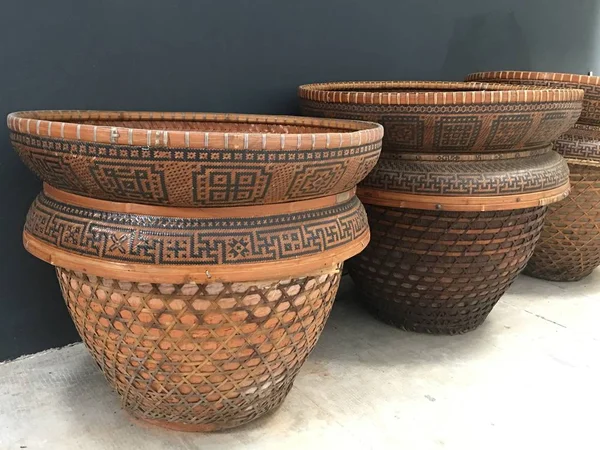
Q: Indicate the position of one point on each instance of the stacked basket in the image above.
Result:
(569, 247)
(457, 201)
(198, 254)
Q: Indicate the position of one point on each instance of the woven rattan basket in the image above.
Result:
(569, 247)
(457, 200)
(198, 254)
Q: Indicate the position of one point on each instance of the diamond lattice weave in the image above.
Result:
(208, 356)
(569, 247)
(442, 272)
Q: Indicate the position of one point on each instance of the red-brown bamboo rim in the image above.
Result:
(535, 76)
(433, 93)
(379, 197)
(325, 262)
(71, 125)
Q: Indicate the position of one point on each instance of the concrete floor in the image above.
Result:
(528, 378)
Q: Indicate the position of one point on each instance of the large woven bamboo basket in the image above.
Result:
(198, 254)
(194, 159)
(200, 319)
(569, 248)
(457, 200)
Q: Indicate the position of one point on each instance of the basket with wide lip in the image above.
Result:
(194, 159)
(457, 200)
(199, 320)
(569, 247)
(198, 254)
(449, 117)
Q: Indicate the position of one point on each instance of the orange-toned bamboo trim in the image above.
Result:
(199, 213)
(324, 262)
(446, 203)
(542, 76)
(49, 123)
(442, 93)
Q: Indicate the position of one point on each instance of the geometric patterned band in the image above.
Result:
(175, 241)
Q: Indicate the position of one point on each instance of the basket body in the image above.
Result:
(569, 247)
(442, 272)
(457, 200)
(448, 117)
(199, 357)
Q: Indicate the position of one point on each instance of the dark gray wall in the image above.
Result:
(237, 56)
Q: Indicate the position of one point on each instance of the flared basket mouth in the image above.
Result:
(516, 75)
(196, 130)
(433, 93)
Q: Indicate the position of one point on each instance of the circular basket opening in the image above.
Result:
(432, 92)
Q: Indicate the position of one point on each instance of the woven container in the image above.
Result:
(198, 254)
(442, 272)
(194, 159)
(199, 318)
(457, 200)
(590, 84)
(568, 249)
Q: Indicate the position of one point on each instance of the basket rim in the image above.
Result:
(379, 197)
(441, 93)
(323, 262)
(51, 123)
(560, 77)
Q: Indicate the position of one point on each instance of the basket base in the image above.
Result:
(405, 320)
(203, 427)
(563, 276)
(174, 426)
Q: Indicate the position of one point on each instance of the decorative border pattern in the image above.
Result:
(470, 178)
(579, 144)
(135, 153)
(461, 127)
(194, 177)
(162, 240)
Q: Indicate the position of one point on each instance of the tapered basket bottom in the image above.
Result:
(569, 246)
(200, 357)
(273, 403)
(442, 272)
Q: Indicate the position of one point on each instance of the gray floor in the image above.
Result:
(528, 378)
